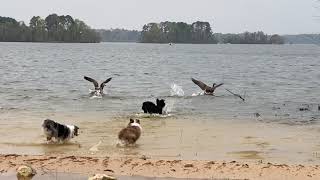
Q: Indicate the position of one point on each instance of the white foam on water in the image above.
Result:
(198, 93)
(95, 97)
(176, 90)
(145, 115)
(169, 106)
(96, 94)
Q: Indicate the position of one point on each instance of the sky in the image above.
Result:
(225, 16)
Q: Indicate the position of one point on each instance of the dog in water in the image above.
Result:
(150, 107)
(131, 133)
(60, 132)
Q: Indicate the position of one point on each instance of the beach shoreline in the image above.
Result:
(154, 167)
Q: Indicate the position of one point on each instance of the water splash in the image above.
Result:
(145, 115)
(169, 106)
(95, 97)
(95, 94)
(198, 93)
(176, 90)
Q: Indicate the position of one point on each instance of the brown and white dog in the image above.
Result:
(131, 133)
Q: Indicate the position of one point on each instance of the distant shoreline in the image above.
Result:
(50, 42)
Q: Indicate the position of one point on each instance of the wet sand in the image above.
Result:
(152, 167)
(172, 138)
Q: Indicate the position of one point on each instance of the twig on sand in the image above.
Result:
(235, 94)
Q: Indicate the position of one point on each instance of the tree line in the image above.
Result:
(177, 32)
(64, 28)
(200, 33)
(249, 38)
(53, 28)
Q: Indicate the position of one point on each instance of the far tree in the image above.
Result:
(276, 39)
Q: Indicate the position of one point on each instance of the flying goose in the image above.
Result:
(207, 89)
(97, 89)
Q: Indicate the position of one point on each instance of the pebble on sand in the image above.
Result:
(25, 172)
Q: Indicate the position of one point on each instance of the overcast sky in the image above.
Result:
(226, 16)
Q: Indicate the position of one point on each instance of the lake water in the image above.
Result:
(40, 80)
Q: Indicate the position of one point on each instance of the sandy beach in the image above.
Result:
(149, 167)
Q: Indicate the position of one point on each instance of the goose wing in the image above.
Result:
(95, 83)
(218, 85)
(202, 85)
(104, 83)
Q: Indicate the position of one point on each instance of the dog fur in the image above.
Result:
(131, 133)
(150, 107)
(60, 132)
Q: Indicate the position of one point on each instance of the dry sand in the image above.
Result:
(144, 166)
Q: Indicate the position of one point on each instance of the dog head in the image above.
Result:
(48, 126)
(135, 122)
(161, 103)
(74, 130)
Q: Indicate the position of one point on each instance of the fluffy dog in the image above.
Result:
(150, 107)
(131, 133)
(60, 132)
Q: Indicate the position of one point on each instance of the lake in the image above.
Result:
(278, 82)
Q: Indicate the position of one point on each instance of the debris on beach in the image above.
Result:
(144, 157)
(188, 165)
(95, 147)
(25, 172)
(102, 177)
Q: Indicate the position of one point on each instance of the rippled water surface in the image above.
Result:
(41, 81)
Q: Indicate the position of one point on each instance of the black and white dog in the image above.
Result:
(150, 107)
(60, 132)
(131, 133)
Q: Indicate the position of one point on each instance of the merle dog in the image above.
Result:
(59, 132)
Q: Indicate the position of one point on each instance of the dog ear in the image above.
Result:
(157, 101)
(138, 121)
(131, 121)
